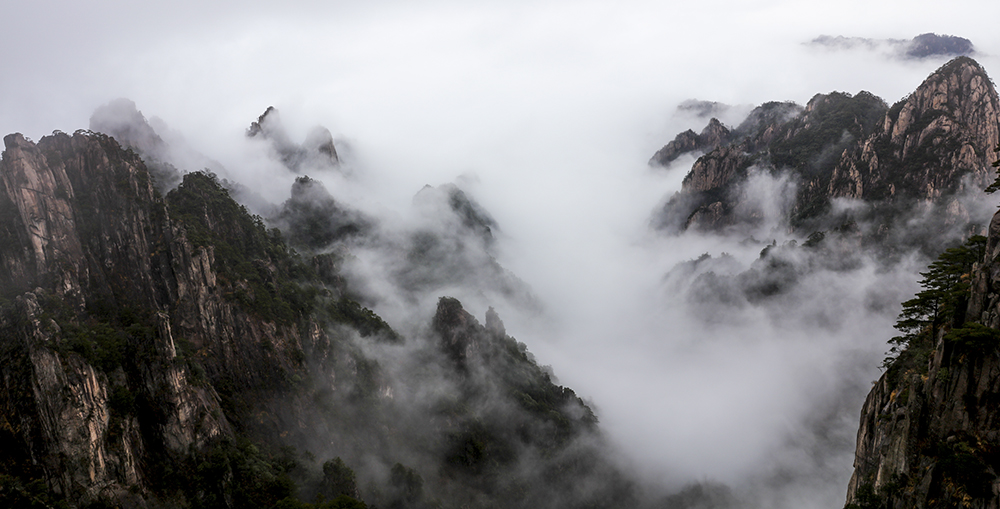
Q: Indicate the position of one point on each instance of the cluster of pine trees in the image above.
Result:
(940, 307)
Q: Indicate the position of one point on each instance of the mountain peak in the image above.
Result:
(317, 151)
(929, 44)
(122, 120)
(964, 68)
(931, 146)
(267, 124)
(958, 102)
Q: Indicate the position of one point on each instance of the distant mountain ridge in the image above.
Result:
(930, 147)
(922, 46)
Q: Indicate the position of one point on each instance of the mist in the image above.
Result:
(546, 115)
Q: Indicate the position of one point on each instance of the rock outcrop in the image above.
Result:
(713, 135)
(945, 130)
(137, 330)
(540, 416)
(313, 219)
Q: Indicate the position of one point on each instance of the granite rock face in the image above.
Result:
(124, 347)
(943, 131)
(929, 433)
(84, 232)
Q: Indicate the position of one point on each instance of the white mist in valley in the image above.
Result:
(546, 115)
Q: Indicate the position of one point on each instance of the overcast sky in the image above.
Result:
(548, 112)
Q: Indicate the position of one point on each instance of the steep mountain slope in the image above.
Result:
(926, 143)
(851, 160)
(90, 263)
(929, 435)
(174, 352)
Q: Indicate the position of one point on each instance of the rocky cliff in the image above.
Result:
(926, 143)
(92, 270)
(929, 434)
(928, 149)
(172, 351)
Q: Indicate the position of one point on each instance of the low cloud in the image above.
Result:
(557, 109)
(927, 45)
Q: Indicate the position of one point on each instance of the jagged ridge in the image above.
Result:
(931, 146)
(163, 351)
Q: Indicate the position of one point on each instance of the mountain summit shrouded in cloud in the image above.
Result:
(741, 373)
(314, 353)
(186, 355)
(317, 150)
(922, 46)
(842, 149)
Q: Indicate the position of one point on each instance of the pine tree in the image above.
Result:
(943, 298)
